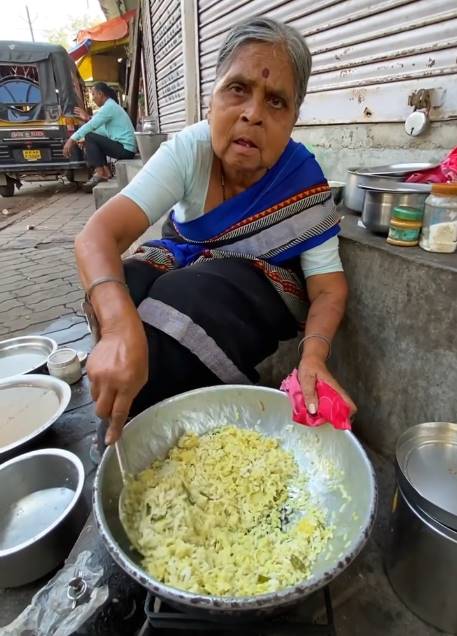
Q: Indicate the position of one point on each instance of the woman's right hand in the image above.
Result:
(117, 369)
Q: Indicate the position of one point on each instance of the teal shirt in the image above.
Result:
(112, 121)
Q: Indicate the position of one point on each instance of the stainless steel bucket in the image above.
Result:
(148, 143)
(422, 564)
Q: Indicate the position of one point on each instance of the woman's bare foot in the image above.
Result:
(106, 172)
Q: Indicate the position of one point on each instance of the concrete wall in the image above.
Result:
(396, 351)
(340, 146)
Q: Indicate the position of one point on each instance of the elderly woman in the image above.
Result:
(251, 219)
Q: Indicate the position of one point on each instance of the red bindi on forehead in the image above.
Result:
(265, 73)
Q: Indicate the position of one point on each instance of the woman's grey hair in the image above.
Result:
(261, 29)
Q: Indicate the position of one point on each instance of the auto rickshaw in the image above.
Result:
(39, 90)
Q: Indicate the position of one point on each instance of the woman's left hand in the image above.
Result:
(311, 369)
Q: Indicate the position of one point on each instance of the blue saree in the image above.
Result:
(288, 211)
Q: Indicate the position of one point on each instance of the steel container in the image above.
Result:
(421, 564)
(41, 513)
(337, 189)
(422, 557)
(426, 467)
(148, 143)
(354, 197)
(151, 434)
(378, 206)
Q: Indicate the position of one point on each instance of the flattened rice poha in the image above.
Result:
(227, 513)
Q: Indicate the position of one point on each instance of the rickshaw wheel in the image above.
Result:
(8, 189)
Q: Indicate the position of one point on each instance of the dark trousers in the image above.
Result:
(232, 301)
(98, 147)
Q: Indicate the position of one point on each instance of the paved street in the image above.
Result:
(38, 281)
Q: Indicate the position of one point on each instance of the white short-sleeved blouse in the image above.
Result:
(177, 176)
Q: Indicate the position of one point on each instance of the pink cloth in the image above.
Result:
(446, 172)
(330, 409)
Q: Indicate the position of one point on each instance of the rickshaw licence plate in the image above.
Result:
(32, 155)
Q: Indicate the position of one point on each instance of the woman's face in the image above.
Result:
(252, 110)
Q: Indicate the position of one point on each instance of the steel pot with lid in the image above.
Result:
(421, 561)
(354, 197)
(426, 466)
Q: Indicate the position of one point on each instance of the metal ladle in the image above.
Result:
(126, 476)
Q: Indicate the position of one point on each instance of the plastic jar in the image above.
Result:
(65, 364)
(405, 226)
(439, 232)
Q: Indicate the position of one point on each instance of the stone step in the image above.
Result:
(126, 169)
(104, 191)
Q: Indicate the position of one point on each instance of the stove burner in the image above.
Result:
(160, 616)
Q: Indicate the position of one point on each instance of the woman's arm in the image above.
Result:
(327, 294)
(118, 365)
(101, 118)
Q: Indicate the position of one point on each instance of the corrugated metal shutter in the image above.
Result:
(169, 63)
(367, 56)
(149, 65)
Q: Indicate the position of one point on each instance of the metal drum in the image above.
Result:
(421, 561)
(422, 564)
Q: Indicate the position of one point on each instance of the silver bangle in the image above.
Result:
(100, 281)
(321, 337)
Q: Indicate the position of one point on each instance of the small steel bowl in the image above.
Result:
(337, 188)
(41, 513)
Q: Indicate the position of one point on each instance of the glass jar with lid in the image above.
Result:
(439, 231)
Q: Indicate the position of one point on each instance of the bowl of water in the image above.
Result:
(41, 513)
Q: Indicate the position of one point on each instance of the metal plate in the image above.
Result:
(427, 458)
(395, 169)
(24, 354)
(29, 404)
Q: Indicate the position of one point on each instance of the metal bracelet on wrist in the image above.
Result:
(321, 337)
(100, 281)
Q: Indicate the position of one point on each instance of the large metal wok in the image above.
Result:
(152, 433)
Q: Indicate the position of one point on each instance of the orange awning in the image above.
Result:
(114, 29)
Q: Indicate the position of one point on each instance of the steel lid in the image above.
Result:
(386, 185)
(394, 169)
(426, 457)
